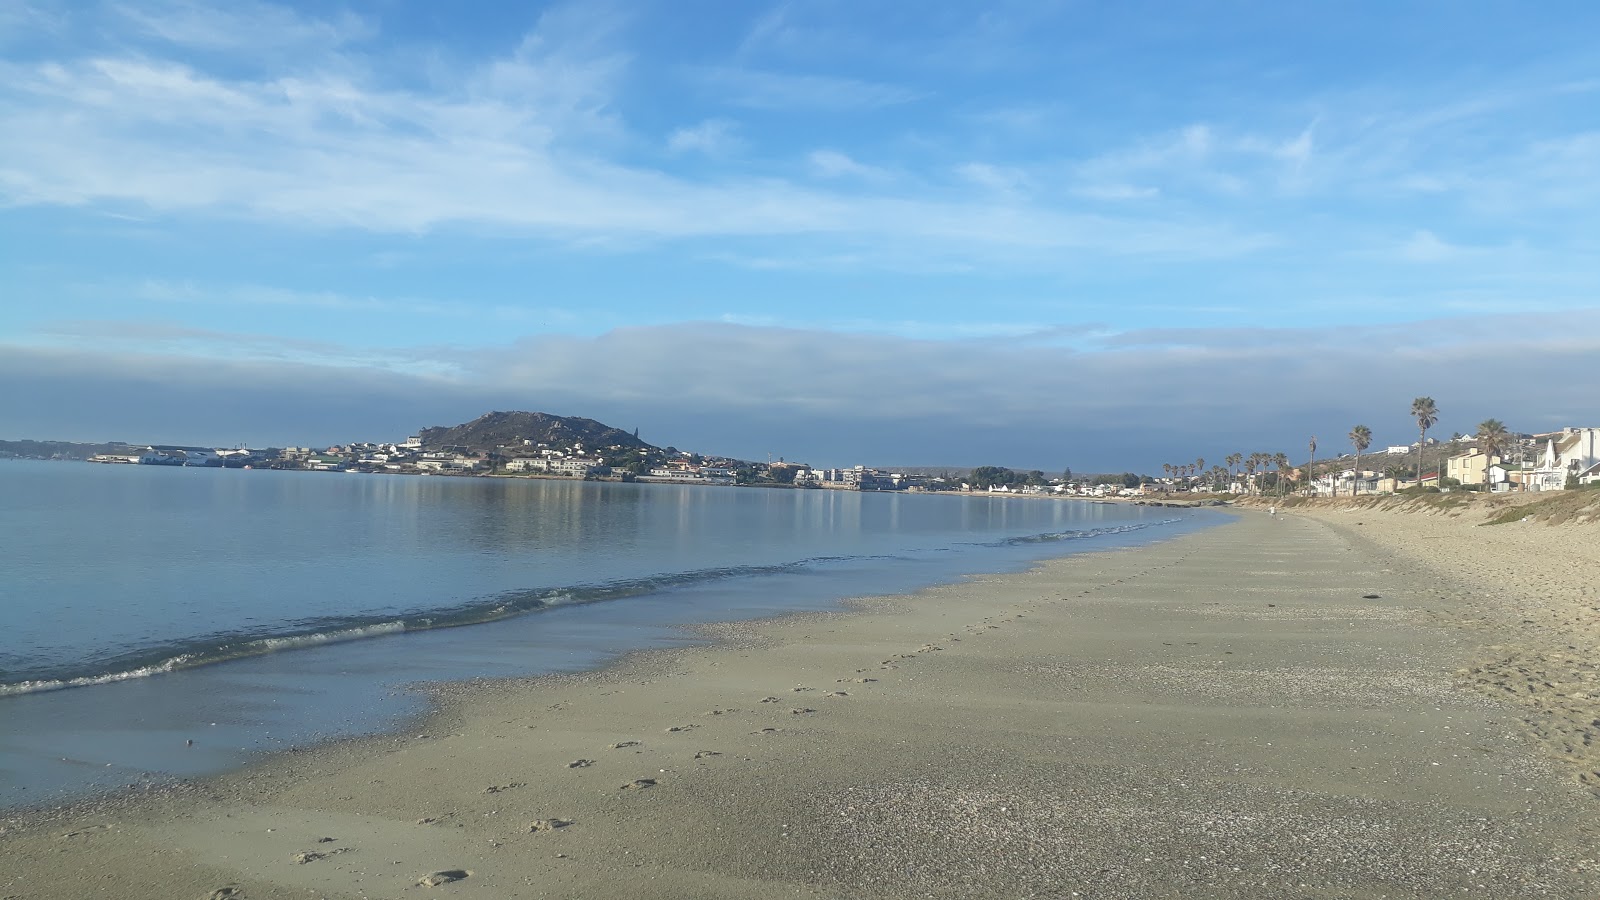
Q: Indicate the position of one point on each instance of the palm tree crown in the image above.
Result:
(1492, 440)
(1426, 412)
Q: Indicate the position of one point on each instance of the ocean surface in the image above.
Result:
(145, 607)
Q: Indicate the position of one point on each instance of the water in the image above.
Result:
(144, 607)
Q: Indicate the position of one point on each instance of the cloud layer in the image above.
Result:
(1112, 401)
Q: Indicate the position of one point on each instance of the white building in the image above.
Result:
(1570, 452)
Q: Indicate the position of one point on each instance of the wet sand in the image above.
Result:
(1271, 708)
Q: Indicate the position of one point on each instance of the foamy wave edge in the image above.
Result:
(182, 661)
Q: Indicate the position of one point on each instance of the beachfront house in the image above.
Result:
(1570, 452)
(1472, 466)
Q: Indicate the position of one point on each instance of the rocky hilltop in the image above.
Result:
(501, 429)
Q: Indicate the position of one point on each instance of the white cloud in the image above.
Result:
(998, 179)
(240, 26)
(781, 91)
(833, 164)
(1426, 247)
(1113, 191)
(324, 150)
(713, 137)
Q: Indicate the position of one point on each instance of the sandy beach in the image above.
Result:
(1329, 703)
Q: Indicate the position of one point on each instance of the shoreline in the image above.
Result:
(141, 771)
(942, 707)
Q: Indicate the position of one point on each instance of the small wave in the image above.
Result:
(1053, 536)
(221, 653)
(224, 648)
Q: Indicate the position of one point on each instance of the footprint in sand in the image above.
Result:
(707, 754)
(443, 876)
(767, 731)
(638, 784)
(800, 711)
(311, 856)
(580, 764)
(539, 826)
(799, 689)
(677, 728)
(769, 699)
(497, 788)
(621, 744)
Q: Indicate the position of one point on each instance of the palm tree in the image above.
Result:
(1233, 460)
(1281, 460)
(1426, 412)
(1361, 439)
(1311, 469)
(1492, 440)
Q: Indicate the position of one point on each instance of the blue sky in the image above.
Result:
(1041, 234)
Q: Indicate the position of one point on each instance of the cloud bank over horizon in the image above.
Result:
(1101, 401)
(1027, 234)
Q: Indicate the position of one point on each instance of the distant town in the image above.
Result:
(539, 445)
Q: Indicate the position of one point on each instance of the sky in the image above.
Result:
(1038, 234)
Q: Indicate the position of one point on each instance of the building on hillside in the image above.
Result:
(1397, 450)
(1474, 467)
(575, 466)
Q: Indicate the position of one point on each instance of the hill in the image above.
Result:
(510, 429)
(28, 449)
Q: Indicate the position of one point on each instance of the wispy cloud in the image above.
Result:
(242, 26)
(173, 340)
(1427, 247)
(834, 164)
(517, 142)
(758, 89)
(713, 137)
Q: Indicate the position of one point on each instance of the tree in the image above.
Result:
(1361, 439)
(1492, 440)
(1426, 412)
(1233, 460)
(1281, 460)
(984, 477)
(1311, 469)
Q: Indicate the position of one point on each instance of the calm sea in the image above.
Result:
(145, 607)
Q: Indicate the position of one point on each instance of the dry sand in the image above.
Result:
(1272, 708)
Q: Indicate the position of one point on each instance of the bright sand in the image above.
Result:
(1225, 714)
